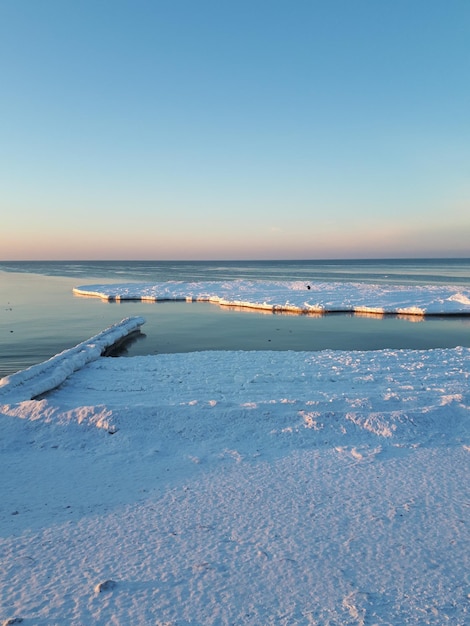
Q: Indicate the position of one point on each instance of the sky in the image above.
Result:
(247, 129)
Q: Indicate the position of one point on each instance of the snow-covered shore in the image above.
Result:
(241, 488)
(297, 296)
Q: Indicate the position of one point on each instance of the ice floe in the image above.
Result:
(297, 296)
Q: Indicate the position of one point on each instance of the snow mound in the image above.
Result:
(297, 296)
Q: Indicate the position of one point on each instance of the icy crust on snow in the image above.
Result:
(245, 488)
(297, 296)
(386, 397)
(29, 383)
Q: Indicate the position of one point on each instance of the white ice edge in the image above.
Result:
(297, 296)
(29, 383)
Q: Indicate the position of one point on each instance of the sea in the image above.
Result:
(40, 316)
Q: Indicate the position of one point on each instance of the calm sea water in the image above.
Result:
(40, 317)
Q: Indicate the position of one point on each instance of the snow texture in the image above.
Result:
(209, 488)
(298, 296)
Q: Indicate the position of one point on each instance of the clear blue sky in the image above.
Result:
(252, 129)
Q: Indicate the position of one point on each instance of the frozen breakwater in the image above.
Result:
(297, 296)
(37, 379)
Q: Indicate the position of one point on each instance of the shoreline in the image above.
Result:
(40, 317)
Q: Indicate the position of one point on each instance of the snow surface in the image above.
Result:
(297, 296)
(240, 488)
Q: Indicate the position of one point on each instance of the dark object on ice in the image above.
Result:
(12, 620)
(308, 286)
(107, 585)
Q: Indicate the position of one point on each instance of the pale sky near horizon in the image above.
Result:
(234, 129)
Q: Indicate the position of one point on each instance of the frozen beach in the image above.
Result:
(238, 487)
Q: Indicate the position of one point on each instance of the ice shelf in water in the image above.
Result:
(297, 296)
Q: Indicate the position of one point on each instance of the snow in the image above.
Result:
(238, 488)
(298, 296)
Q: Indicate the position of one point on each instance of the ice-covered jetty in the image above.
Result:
(31, 382)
